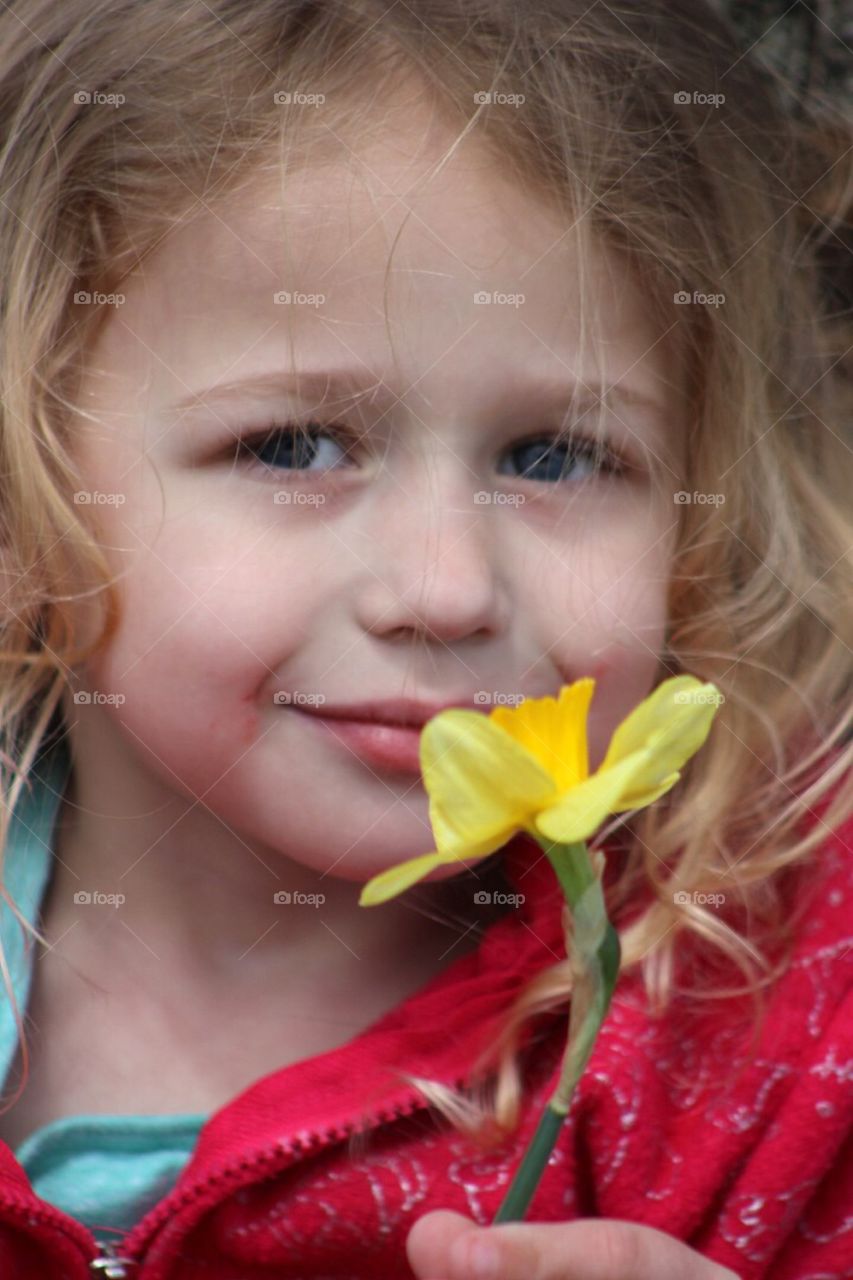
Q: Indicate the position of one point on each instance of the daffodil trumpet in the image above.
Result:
(526, 768)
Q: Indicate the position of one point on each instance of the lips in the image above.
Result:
(382, 734)
(382, 746)
(400, 712)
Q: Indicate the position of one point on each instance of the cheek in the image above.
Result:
(623, 677)
(617, 640)
(198, 636)
(627, 657)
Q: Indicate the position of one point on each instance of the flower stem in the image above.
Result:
(594, 951)
(520, 1193)
(572, 867)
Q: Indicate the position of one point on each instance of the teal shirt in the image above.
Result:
(105, 1170)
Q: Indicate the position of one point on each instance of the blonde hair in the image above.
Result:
(747, 201)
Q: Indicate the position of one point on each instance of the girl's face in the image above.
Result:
(383, 572)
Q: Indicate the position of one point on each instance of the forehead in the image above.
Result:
(378, 224)
(384, 235)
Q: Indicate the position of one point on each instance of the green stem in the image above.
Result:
(572, 867)
(583, 893)
(515, 1202)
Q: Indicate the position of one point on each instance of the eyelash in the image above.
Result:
(603, 458)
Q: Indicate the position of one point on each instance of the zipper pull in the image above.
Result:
(110, 1264)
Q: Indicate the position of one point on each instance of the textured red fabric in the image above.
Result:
(740, 1149)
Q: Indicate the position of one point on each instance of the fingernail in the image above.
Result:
(483, 1260)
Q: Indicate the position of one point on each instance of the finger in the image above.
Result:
(429, 1242)
(587, 1249)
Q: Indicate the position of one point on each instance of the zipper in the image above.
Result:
(266, 1163)
(104, 1260)
(109, 1264)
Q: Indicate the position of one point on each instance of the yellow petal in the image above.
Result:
(672, 723)
(580, 812)
(553, 730)
(396, 879)
(483, 785)
(637, 797)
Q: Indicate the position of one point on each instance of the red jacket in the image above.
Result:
(746, 1158)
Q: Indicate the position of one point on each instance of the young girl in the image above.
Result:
(360, 360)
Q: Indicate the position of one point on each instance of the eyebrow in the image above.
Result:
(268, 385)
(352, 383)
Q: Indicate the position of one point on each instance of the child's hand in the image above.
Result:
(444, 1246)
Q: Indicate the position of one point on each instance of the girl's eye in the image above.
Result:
(310, 447)
(567, 457)
(293, 446)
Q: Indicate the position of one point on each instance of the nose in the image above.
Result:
(434, 561)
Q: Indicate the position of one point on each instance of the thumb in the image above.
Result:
(443, 1245)
(430, 1240)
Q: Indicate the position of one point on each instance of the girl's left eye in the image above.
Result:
(547, 458)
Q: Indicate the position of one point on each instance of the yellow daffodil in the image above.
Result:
(526, 768)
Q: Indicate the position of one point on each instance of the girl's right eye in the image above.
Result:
(289, 445)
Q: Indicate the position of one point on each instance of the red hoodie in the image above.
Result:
(745, 1156)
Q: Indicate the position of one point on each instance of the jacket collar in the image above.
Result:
(438, 1033)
